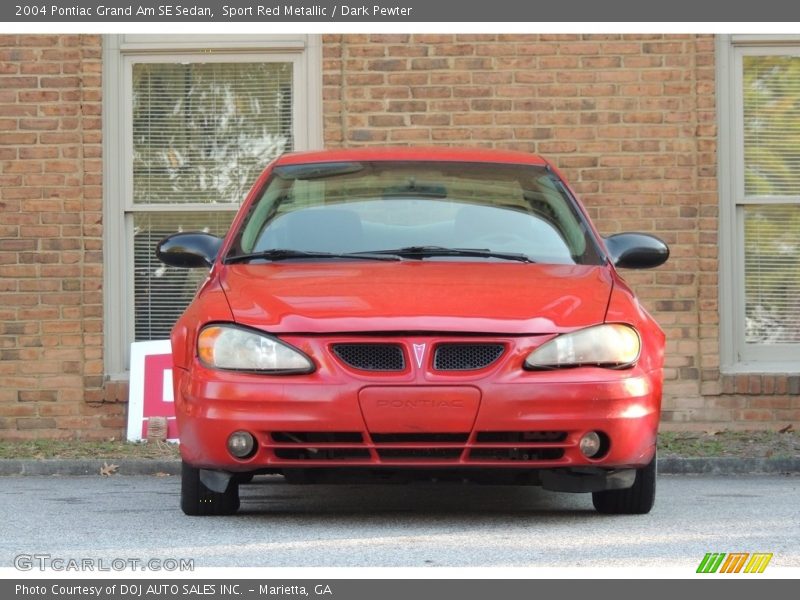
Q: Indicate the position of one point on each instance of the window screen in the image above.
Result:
(771, 128)
(772, 273)
(201, 134)
(161, 293)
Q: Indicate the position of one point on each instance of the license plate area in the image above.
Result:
(419, 409)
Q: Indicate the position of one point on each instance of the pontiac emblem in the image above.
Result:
(419, 353)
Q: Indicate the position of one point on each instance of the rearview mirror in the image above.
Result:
(191, 250)
(636, 250)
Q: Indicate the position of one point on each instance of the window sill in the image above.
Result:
(787, 368)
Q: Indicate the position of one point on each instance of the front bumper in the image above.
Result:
(500, 418)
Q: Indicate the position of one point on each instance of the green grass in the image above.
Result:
(41, 449)
(743, 444)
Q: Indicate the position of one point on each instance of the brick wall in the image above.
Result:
(51, 306)
(630, 119)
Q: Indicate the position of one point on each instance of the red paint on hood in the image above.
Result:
(328, 297)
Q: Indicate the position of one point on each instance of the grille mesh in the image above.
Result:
(465, 357)
(419, 454)
(321, 447)
(488, 437)
(516, 454)
(430, 438)
(371, 357)
(316, 437)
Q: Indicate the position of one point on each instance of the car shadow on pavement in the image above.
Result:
(436, 500)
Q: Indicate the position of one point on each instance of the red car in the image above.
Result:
(403, 314)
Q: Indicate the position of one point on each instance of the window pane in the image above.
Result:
(772, 273)
(379, 206)
(772, 125)
(162, 293)
(203, 131)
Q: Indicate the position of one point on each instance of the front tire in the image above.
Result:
(198, 500)
(636, 500)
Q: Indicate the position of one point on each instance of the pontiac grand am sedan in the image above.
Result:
(403, 314)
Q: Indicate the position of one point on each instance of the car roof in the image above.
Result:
(440, 154)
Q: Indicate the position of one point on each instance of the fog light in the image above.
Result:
(241, 444)
(590, 444)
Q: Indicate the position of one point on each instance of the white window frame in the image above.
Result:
(120, 52)
(735, 355)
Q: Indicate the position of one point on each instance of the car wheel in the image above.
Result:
(197, 499)
(636, 500)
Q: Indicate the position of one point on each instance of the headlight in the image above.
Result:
(610, 345)
(231, 347)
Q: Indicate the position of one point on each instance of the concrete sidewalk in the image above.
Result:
(670, 466)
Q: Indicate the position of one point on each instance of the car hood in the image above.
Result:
(442, 296)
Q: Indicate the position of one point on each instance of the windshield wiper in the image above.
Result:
(288, 254)
(421, 252)
(414, 252)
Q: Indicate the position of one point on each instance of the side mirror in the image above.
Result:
(191, 250)
(636, 250)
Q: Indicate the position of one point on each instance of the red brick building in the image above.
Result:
(108, 142)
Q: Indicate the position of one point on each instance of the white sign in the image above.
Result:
(150, 393)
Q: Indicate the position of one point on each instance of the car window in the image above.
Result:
(384, 205)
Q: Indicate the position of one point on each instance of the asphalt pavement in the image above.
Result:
(127, 466)
(399, 525)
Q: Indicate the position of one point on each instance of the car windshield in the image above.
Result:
(423, 210)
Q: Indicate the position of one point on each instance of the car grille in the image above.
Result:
(371, 357)
(480, 448)
(466, 357)
(319, 445)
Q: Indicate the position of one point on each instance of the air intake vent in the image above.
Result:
(466, 357)
(371, 357)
